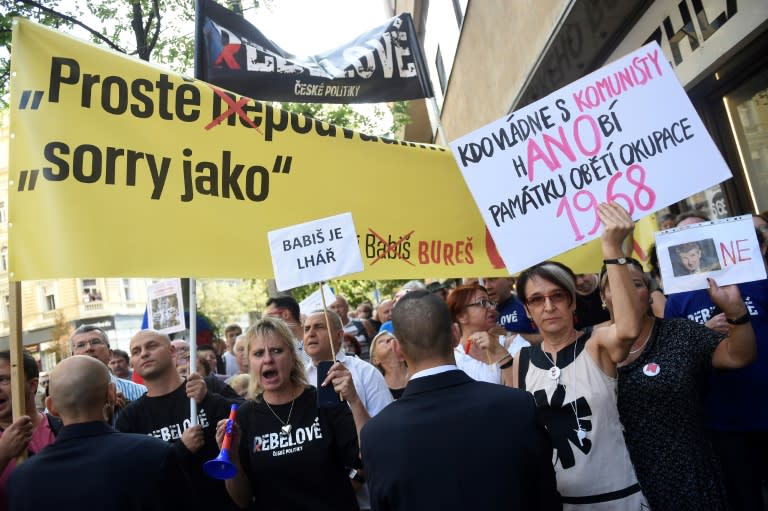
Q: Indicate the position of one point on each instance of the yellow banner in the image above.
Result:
(121, 168)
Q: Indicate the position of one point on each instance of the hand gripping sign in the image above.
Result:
(725, 250)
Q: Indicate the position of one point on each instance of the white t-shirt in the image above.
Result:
(481, 371)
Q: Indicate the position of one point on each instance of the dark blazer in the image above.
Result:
(454, 443)
(91, 466)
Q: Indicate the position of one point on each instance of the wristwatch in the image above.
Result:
(741, 320)
(356, 476)
(618, 260)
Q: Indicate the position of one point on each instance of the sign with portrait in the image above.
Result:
(725, 250)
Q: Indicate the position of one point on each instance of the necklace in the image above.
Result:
(286, 427)
(554, 371)
(581, 433)
(650, 331)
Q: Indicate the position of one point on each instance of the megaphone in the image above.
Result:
(220, 467)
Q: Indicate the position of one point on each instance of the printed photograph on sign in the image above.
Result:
(725, 250)
(166, 306)
(626, 133)
(694, 257)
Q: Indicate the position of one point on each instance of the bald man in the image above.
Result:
(87, 467)
(163, 412)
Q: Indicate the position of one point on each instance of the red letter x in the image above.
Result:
(228, 56)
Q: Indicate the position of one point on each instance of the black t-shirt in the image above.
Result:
(309, 467)
(166, 417)
(589, 310)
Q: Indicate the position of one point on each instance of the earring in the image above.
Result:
(604, 306)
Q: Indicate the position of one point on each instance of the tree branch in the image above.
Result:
(156, 11)
(77, 22)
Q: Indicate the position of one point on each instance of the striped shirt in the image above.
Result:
(130, 390)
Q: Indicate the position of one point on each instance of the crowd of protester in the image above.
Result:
(551, 390)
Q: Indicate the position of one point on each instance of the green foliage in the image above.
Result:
(373, 121)
(355, 291)
(227, 301)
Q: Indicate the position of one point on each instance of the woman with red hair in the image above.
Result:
(479, 353)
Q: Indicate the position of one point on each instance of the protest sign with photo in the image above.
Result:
(626, 133)
(725, 250)
(315, 251)
(165, 306)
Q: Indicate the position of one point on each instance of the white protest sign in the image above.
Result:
(725, 250)
(314, 251)
(165, 306)
(315, 302)
(625, 133)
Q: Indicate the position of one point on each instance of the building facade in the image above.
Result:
(488, 58)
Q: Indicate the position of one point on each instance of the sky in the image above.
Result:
(308, 27)
(301, 27)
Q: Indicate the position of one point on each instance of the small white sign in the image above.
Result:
(725, 250)
(315, 302)
(315, 251)
(626, 133)
(166, 306)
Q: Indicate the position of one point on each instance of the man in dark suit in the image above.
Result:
(450, 442)
(90, 465)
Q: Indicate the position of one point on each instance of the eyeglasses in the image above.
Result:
(93, 342)
(485, 304)
(558, 297)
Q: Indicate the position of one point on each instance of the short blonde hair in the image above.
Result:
(276, 328)
(372, 349)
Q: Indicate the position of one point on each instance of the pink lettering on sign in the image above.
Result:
(638, 73)
(643, 199)
(737, 253)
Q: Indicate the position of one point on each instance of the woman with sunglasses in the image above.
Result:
(660, 402)
(572, 376)
(479, 352)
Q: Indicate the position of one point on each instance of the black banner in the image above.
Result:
(384, 64)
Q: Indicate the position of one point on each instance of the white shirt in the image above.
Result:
(230, 363)
(481, 371)
(369, 382)
(433, 370)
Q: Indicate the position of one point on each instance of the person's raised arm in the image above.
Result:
(615, 341)
(739, 348)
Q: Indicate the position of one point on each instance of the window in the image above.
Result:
(747, 111)
(458, 13)
(3, 216)
(50, 303)
(90, 292)
(127, 290)
(4, 259)
(441, 70)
